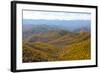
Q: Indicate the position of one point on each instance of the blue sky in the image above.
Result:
(56, 15)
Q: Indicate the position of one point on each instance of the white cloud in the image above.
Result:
(55, 15)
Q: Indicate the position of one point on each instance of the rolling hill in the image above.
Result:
(65, 47)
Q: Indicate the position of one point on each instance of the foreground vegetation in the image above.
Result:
(57, 46)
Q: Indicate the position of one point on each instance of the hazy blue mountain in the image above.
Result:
(62, 24)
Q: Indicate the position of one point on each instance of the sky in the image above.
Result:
(48, 15)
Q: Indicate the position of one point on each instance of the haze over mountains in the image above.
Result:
(70, 25)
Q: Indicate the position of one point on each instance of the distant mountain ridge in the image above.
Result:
(70, 25)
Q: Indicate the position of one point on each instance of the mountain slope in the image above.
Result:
(77, 49)
(37, 52)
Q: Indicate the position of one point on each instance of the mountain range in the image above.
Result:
(52, 40)
(62, 24)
